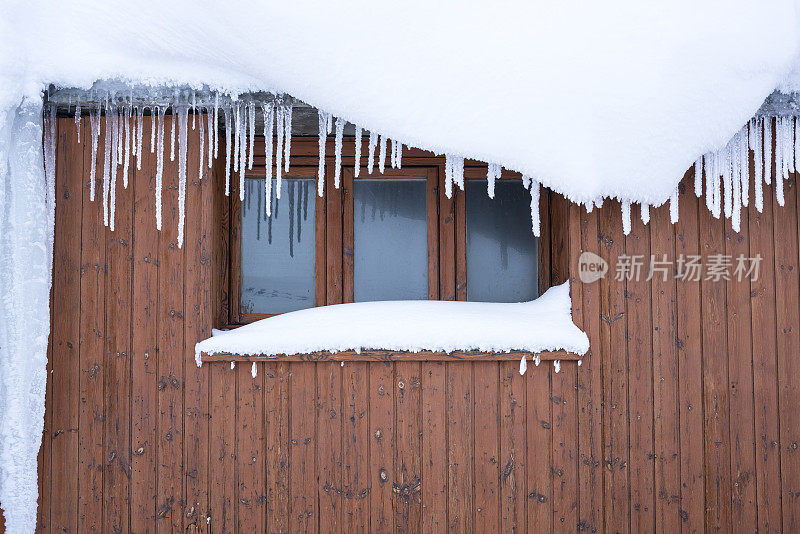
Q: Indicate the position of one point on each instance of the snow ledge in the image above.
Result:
(541, 325)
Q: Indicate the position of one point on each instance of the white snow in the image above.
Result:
(539, 325)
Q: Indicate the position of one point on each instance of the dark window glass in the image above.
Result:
(390, 239)
(278, 252)
(502, 253)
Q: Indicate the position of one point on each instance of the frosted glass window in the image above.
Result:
(278, 252)
(502, 252)
(390, 240)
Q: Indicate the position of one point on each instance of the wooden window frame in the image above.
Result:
(334, 242)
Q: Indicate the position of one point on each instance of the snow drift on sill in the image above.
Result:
(612, 98)
(416, 325)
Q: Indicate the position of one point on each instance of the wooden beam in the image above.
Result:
(387, 356)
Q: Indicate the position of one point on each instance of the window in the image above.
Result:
(391, 236)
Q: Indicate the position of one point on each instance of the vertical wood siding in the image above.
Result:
(682, 417)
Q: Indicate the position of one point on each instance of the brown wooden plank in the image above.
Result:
(92, 340)
(715, 381)
(119, 250)
(198, 303)
(690, 369)
(538, 455)
(512, 448)
(381, 449)
(169, 512)
(590, 387)
(459, 446)
(740, 383)
(434, 447)
(222, 440)
(615, 376)
(387, 356)
(355, 448)
(329, 416)
(447, 242)
(144, 361)
(666, 427)
(276, 437)
(486, 500)
(787, 295)
(250, 473)
(303, 499)
(641, 465)
(65, 335)
(407, 486)
(765, 369)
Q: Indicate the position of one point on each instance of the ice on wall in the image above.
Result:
(27, 199)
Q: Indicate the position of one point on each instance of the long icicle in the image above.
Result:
(269, 116)
(382, 154)
(280, 111)
(78, 121)
(359, 134)
(172, 136)
(673, 205)
(645, 212)
(126, 161)
(768, 159)
(227, 115)
(211, 135)
(216, 125)
(241, 127)
(112, 187)
(778, 156)
(758, 154)
(236, 134)
(323, 119)
(744, 165)
(94, 122)
(152, 130)
(183, 112)
(139, 135)
(535, 189)
(698, 177)
(287, 134)
(373, 142)
(106, 166)
(202, 147)
(160, 164)
(448, 175)
(252, 112)
(337, 150)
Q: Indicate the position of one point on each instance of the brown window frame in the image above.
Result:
(334, 227)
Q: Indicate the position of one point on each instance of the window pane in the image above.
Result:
(278, 252)
(502, 253)
(390, 239)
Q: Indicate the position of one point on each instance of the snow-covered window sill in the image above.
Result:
(431, 330)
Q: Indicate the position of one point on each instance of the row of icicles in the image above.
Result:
(124, 132)
(726, 171)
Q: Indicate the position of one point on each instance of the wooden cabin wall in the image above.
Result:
(682, 418)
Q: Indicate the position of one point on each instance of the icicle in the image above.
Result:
(736, 214)
(254, 370)
(160, 165)
(269, 116)
(182, 149)
(526, 181)
(698, 177)
(112, 188)
(399, 155)
(233, 365)
(589, 206)
(210, 131)
(242, 129)
(768, 151)
(523, 365)
(626, 217)
(727, 181)
(373, 142)
(252, 111)
(598, 203)
(448, 175)
(359, 133)
(708, 161)
(324, 119)
(118, 146)
(458, 172)
(194, 109)
(788, 153)
(152, 130)
(493, 172)
(202, 149)
(580, 362)
(645, 209)
(393, 157)
(382, 154)
(537, 359)
(744, 166)
(78, 121)
(557, 365)
(279, 120)
(106, 167)
(227, 113)
(172, 136)
(796, 143)
(216, 125)
(674, 213)
(337, 170)
(94, 122)
(236, 140)
(287, 135)
(779, 161)
(535, 188)
(126, 161)
(139, 134)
